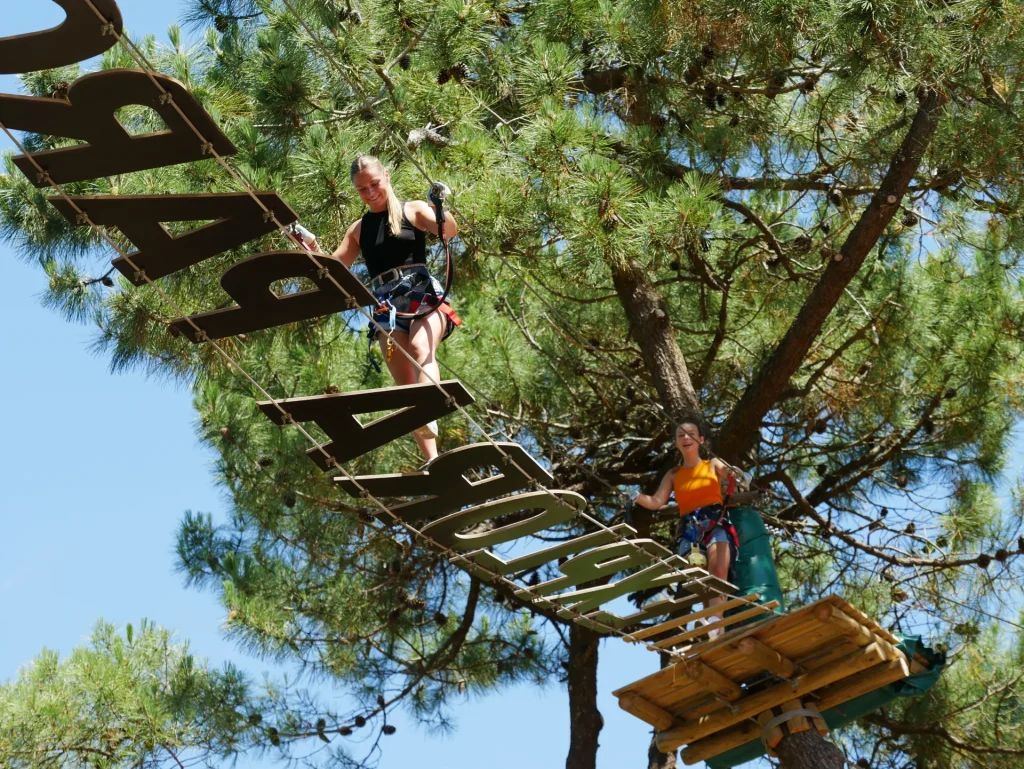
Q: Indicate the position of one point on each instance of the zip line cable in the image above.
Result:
(405, 151)
(353, 83)
(136, 53)
(83, 218)
(167, 98)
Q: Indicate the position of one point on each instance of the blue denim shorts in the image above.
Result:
(718, 534)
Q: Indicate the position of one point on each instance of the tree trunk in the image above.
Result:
(655, 758)
(585, 719)
(649, 324)
(658, 760)
(809, 750)
(741, 431)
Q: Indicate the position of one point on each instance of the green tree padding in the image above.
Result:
(754, 571)
(849, 712)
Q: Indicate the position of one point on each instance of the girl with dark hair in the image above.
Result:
(391, 238)
(698, 487)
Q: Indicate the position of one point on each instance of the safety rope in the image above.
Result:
(83, 218)
(405, 151)
(167, 98)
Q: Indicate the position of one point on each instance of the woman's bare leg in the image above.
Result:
(718, 566)
(421, 343)
(424, 339)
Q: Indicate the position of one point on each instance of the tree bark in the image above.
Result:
(655, 758)
(809, 750)
(649, 324)
(741, 430)
(585, 720)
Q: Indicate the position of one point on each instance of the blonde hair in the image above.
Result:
(372, 164)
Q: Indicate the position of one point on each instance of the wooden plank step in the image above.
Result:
(764, 608)
(682, 620)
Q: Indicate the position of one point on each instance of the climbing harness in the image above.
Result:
(403, 292)
(695, 530)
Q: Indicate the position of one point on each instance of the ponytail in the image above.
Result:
(394, 212)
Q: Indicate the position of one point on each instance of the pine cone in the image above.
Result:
(107, 281)
(356, 18)
(359, 721)
(460, 71)
(378, 59)
(984, 560)
(221, 23)
(343, 14)
(60, 91)
(388, 729)
(1002, 555)
(734, 121)
(910, 219)
(265, 461)
(900, 96)
(440, 619)
(710, 94)
(289, 498)
(443, 77)
(345, 731)
(405, 62)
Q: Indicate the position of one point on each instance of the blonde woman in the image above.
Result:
(391, 237)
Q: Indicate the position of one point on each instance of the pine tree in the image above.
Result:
(140, 699)
(798, 218)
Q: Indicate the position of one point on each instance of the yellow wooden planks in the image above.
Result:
(749, 707)
(718, 625)
(707, 611)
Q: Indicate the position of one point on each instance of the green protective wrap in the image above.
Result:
(858, 707)
(754, 571)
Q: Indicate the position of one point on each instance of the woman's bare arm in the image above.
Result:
(349, 248)
(425, 218)
(659, 498)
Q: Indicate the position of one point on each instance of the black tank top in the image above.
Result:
(383, 251)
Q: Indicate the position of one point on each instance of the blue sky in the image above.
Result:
(96, 473)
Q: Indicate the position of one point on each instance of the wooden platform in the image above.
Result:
(710, 699)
